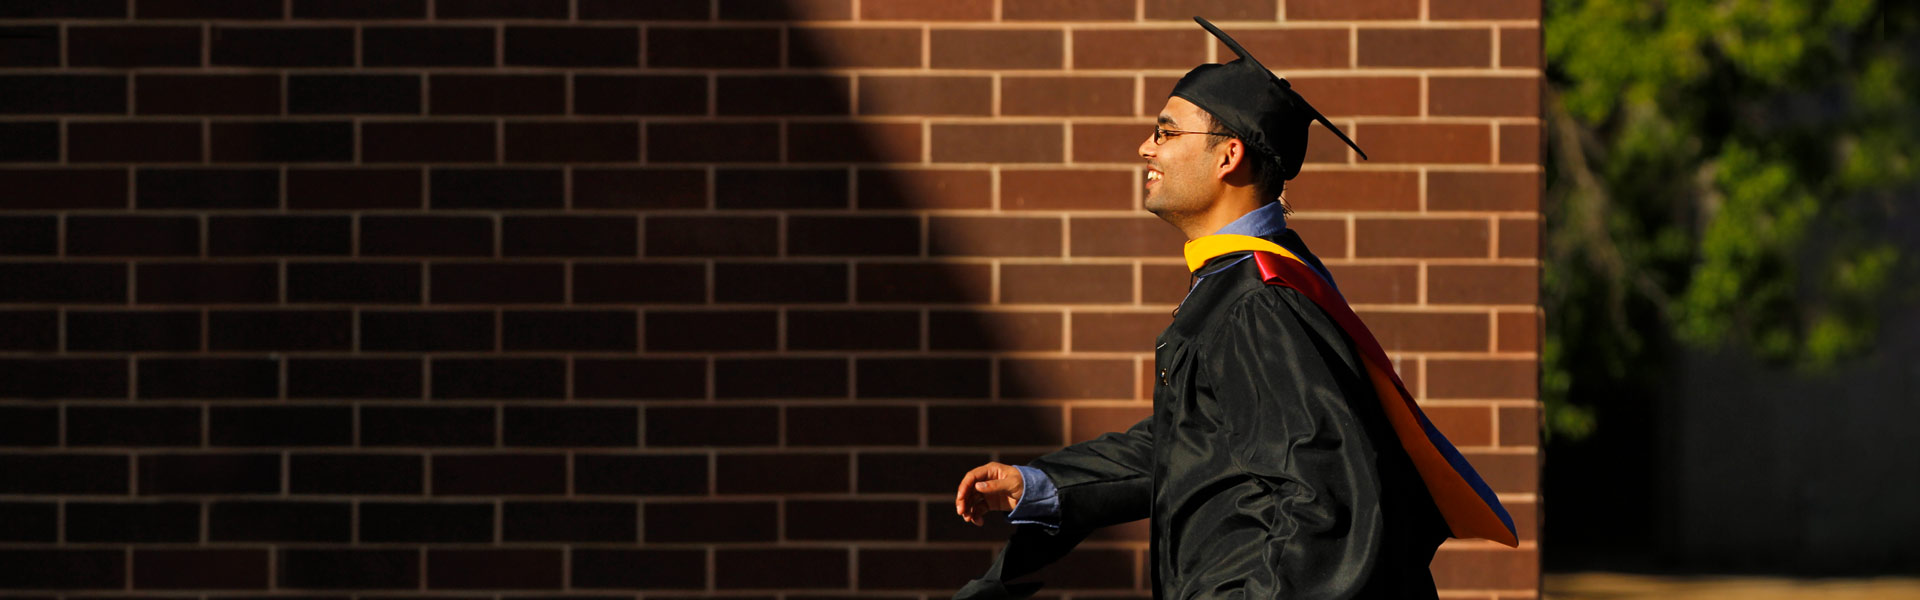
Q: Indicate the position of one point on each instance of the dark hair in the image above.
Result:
(1267, 179)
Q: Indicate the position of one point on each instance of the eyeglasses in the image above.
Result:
(1160, 135)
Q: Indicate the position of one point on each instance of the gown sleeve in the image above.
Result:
(1103, 481)
(1287, 384)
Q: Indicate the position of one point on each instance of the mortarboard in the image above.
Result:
(1258, 106)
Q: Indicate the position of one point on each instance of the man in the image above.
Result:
(1283, 459)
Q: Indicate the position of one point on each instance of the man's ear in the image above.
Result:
(1236, 153)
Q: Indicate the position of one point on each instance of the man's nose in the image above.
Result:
(1146, 147)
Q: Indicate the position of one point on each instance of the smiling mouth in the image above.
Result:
(1153, 176)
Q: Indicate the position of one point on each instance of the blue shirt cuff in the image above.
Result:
(1039, 501)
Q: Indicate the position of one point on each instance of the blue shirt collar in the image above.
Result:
(1264, 222)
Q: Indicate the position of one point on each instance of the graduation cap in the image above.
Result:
(1258, 106)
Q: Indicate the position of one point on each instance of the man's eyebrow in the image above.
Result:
(1166, 120)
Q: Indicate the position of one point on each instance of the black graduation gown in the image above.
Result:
(1268, 467)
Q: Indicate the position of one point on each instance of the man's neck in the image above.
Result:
(1230, 206)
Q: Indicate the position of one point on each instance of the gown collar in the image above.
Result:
(1242, 234)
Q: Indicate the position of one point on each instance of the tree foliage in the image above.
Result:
(1722, 174)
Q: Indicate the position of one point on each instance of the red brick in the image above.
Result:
(1484, 96)
(712, 142)
(1326, 238)
(1134, 49)
(133, 141)
(1520, 47)
(285, 141)
(1163, 284)
(1426, 142)
(1068, 10)
(1483, 284)
(1066, 284)
(715, 331)
(807, 95)
(1421, 238)
(786, 10)
(205, 9)
(995, 331)
(994, 426)
(281, 46)
(1361, 96)
(639, 188)
(1483, 191)
(486, 94)
(1066, 96)
(1378, 284)
(1480, 379)
(1217, 10)
(639, 94)
(1463, 425)
(510, 378)
(1428, 331)
(1520, 143)
(788, 473)
(1508, 473)
(853, 330)
(595, 378)
(783, 282)
(711, 426)
(1519, 238)
(479, 283)
(1337, 190)
(996, 49)
(953, 10)
(1481, 10)
(998, 143)
(626, 569)
(924, 188)
(359, 188)
(183, 569)
(1517, 331)
(65, 189)
(1426, 48)
(828, 426)
(853, 48)
(813, 141)
(427, 46)
(572, 142)
(853, 236)
(497, 189)
(919, 569)
(1079, 379)
(569, 330)
(716, 48)
(662, 10)
(115, 46)
(427, 141)
(490, 569)
(1037, 189)
(207, 94)
(1110, 143)
(926, 95)
(993, 236)
(935, 283)
(915, 472)
(959, 378)
(1283, 49)
(711, 236)
(1346, 10)
(1117, 331)
(1520, 425)
(1486, 569)
(781, 568)
(1090, 422)
(702, 522)
(1324, 147)
(780, 188)
(849, 520)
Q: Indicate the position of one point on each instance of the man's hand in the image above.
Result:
(992, 486)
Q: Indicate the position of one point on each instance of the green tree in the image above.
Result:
(1722, 173)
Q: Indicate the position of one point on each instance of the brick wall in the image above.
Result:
(606, 298)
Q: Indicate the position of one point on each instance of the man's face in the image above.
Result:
(1181, 177)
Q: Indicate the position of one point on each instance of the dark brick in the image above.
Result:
(500, 9)
(640, 474)
(570, 236)
(200, 569)
(712, 236)
(496, 283)
(280, 425)
(362, 283)
(497, 188)
(281, 330)
(499, 378)
(62, 377)
(63, 189)
(960, 378)
(781, 188)
(208, 188)
(209, 378)
(780, 378)
(639, 282)
(719, 47)
(571, 426)
(356, 474)
(914, 473)
(279, 522)
(133, 331)
(639, 94)
(853, 330)
(71, 9)
(133, 141)
(711, 522)
(576, 46)
(487, 94)
(426, 330)
(349, 189)
(30, 142)
(63, 94)
(207, 94)
(394, 378)
(573, 142)
(494, 569)
(798, 568)
(289, 141)
(133, 46)
(639, 188)
(133, 236)
(32, 522)
(805, 95)
(498, 474)
(29, 426)
(713, 142)
(628, 569)
(850, 520)
(207, 283)
(828, 426)
(782, 282)
(133, 426)
(676, 426)
(426, 236)
(432, 426)
(208, 9)
(42, 568)
(934, 283)
(29, 330)
(426, 522)
(282, 46)
(579, 330)
(427, 141)
(571, 522)
(63, 474)
(789, 473)
(28, 236)
(279, 236)
(639, 378)
(995, 426)
(427, 46)
(904, 569)
(172, 474)
(352, 94)
(670, 331)
(348, 569)
(29, 46)
(359, 9)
